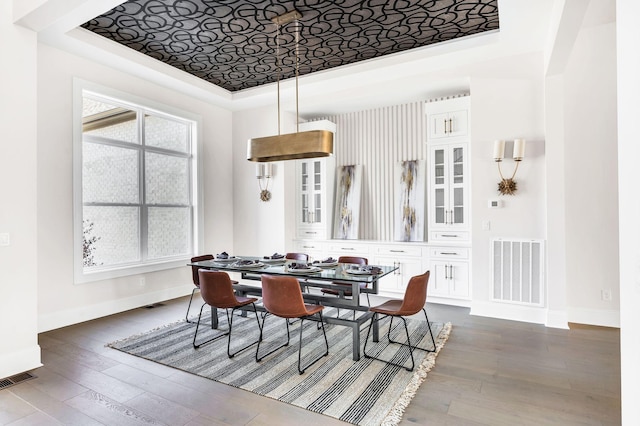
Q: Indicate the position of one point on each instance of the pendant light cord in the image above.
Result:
(297, 66)
(278, 66)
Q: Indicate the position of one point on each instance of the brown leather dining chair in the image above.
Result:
(216, 289)
(282, 297)
(196, 280)
(303, 257)
(414, 300)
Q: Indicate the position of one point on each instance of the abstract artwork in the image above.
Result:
(349, 189)
(410, 200)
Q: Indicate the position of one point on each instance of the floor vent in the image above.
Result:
(518, 271)
(14, 380)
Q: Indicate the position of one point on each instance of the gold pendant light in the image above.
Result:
(290, 146)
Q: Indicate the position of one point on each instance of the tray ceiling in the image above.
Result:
(232, 43)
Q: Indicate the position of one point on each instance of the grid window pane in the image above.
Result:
(109, 174)
(169, 231)
(116, 232)
(167, 179)
(163, 133)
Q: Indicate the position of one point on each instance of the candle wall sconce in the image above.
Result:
(264, 171)
(508, 186)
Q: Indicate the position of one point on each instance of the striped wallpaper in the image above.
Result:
(378, 139)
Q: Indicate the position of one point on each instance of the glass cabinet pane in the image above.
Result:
(318, 208)
(317, 176)
(458, 165)
(305, 176)
(305, 208)
(458, 205)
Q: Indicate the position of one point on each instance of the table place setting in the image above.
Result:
(329, 262)
(247, 263)
(224, 257)
(275, 258)
(362, 270)
(301, 268)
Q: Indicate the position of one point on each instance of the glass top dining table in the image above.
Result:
(349, 280)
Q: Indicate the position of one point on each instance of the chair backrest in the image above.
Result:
(194, 269)
(354, 260)
(282, 296)
(416, 294)
(216, 289)
(297, 256)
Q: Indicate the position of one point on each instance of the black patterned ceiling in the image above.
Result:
(232, 43)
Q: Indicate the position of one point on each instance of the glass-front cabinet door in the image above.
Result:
(315, 197)
(448, 198)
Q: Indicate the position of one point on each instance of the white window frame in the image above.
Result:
(80, 275)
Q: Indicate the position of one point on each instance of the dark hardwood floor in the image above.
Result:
(490, 372)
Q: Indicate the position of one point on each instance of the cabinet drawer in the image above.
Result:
(449, 253)
(304, 246)
(348, 249)
(449, 236)
(399, 251)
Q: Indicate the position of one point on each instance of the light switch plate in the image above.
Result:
(4, 239)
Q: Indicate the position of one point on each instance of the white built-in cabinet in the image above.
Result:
(446, 253)
(448, 192)
(448, 124)
(411, 259)
(314, 197)
(448, 197)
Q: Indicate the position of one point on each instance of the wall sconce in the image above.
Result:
(264, 171)
(508, 186)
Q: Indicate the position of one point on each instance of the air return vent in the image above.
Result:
(517, 271)
(14, 380)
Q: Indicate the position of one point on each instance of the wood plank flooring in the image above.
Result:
(490, 372)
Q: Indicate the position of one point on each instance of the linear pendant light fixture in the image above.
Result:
(290, 146)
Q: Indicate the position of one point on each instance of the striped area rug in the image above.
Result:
(364, 392)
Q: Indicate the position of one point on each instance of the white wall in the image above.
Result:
(506, 108)
(60, 301)
(590, 173)
(19, 350)
(628, 69)
(261, 228)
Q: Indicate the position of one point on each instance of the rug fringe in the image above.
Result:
(394, 416)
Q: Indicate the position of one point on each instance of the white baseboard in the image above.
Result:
(85, 313)
(447, 301)
(557, 319)
(509, 312)
(12, 363)
(599, 317)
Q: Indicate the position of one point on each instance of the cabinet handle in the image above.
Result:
(451, 125)
(396, 251)
(450, 236)
(309, 247)
(449, 253)
(347, 248)
(450, 272)
(397, 271)
(446, 272)
(310, 232)
(445, 126)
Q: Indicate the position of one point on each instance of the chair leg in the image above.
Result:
(195, 335)
(230, 319)
(408, 344)
(189, 307)
(260, 358)
(326, 342)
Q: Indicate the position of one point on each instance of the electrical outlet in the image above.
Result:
(606, 295)
(141, 282)
(486, 225)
